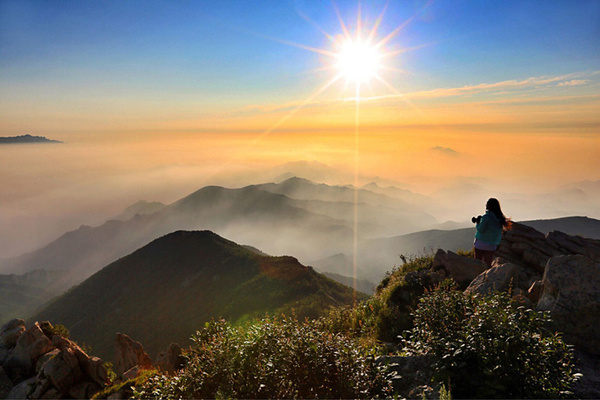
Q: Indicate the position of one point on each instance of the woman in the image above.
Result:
(489, 231)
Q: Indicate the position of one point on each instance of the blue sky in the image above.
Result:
(222, 49)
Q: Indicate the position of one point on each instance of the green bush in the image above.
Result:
(484, 347)
(387, 314)
(272, 358)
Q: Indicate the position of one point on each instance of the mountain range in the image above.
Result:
(298, 217)
(166, 290)
(311, 221)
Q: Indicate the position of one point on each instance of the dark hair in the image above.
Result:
(494, 206)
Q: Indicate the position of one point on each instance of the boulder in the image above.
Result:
(568, 244)
(499, 278)
(171, 360)
(46, 357)
(63, 371)
(571, 292)
(5, 384)
(525, 246)
(4, 353)
(31, 345)
(130, 353)
(93, 367)
(10, 332)
(23, 389)
(462, 269)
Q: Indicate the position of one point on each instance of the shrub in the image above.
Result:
(272, 358)
(484, 347)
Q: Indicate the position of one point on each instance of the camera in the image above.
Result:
(476, 219)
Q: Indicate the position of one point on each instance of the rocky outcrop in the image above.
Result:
(37, 364)
(462, 269)
(571, 292)
(130, 354)
(557, 272)
(500, 277)
(31, 344)
(172, 360)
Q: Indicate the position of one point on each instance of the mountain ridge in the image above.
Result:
(164, 290)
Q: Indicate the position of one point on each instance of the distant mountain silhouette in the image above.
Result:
(316, 223)
(166, 290)
(311, 221)
(26, 139)
(19, 294)
(582, 226)
(141, 207)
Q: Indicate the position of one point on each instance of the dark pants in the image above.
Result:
(485, 256)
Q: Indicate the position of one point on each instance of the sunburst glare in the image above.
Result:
(358, 61)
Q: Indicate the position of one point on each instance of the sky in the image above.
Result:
(154, 99)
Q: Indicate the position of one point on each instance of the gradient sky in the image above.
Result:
(506, 92)
(73, 66)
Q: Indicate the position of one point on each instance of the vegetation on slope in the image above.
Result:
(478, 347)
(486, 347)
(164, 291)
(272, 358)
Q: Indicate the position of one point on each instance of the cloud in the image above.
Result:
(497, 87)
(574, 82)
(445, 150)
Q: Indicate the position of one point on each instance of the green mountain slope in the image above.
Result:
(166, 290)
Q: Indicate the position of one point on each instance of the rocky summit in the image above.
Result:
(557, 273)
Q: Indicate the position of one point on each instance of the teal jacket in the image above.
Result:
(489, 229)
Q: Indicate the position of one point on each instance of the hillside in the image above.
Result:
(167, 289)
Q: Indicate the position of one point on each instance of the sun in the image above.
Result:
(358, 61)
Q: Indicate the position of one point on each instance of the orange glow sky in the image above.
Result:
(155, 99)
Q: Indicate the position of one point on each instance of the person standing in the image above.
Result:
(489, 231)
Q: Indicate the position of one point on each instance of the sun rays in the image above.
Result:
(355, 57)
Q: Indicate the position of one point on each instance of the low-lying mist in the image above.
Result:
(50, 189)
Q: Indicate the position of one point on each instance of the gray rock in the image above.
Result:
(572, 295)
(63, 371)
(23, 389)
(42, 360)
(462, 269)
(499, 278)
(31, 345)
(10, 332)
(569, 244)
(171, 360)
(5, 384)
(4, 353)
(130, 353)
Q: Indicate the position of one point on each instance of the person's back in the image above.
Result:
(489, 231)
